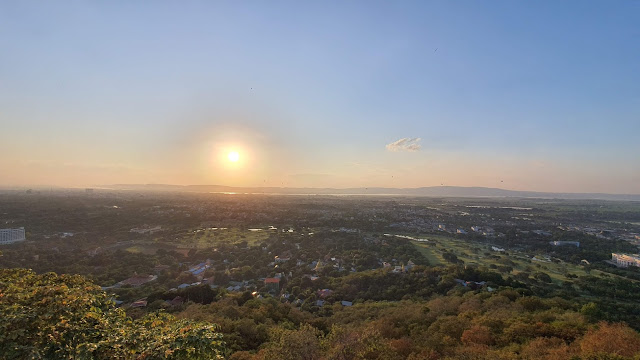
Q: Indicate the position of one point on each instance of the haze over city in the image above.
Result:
(540, 96)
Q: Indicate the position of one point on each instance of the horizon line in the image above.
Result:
(115, 187)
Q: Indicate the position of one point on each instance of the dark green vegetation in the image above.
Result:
(60, 317)
(346, 290)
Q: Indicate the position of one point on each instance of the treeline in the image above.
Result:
(56, 317)
(472, 325)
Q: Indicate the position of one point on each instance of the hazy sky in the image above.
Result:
(530, 95)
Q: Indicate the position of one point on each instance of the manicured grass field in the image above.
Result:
(146, 248)
(481, 254)
(211, 237)
(433, 256)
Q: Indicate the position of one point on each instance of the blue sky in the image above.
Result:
(523, 95)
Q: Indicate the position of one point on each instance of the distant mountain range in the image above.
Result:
(433, 191)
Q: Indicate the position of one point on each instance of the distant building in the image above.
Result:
(461, 282)
(625, 260)
(10, 236)
(272, 284)
(147, 229)
(471, 284)
(279, 259)
(177, 301)
(199, 269)
(139, 303)
(137, 280)
(562, 243)
(488, 231)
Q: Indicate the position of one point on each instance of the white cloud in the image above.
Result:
(405, 144)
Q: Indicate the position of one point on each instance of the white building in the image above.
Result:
(625, 260)
(562, 243)
(147, 230)
(9, 236)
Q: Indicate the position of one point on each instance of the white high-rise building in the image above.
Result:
(9, 236)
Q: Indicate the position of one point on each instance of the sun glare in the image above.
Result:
(233, 156)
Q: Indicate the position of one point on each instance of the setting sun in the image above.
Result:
(233, 156)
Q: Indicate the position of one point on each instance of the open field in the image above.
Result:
(482, 254)
(433, 255)
(211, 237)
(142, 249)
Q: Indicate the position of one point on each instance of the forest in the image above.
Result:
(57, 317)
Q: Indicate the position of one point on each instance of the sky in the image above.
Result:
(537, 95)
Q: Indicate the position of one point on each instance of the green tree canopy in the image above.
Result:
(61, 317)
